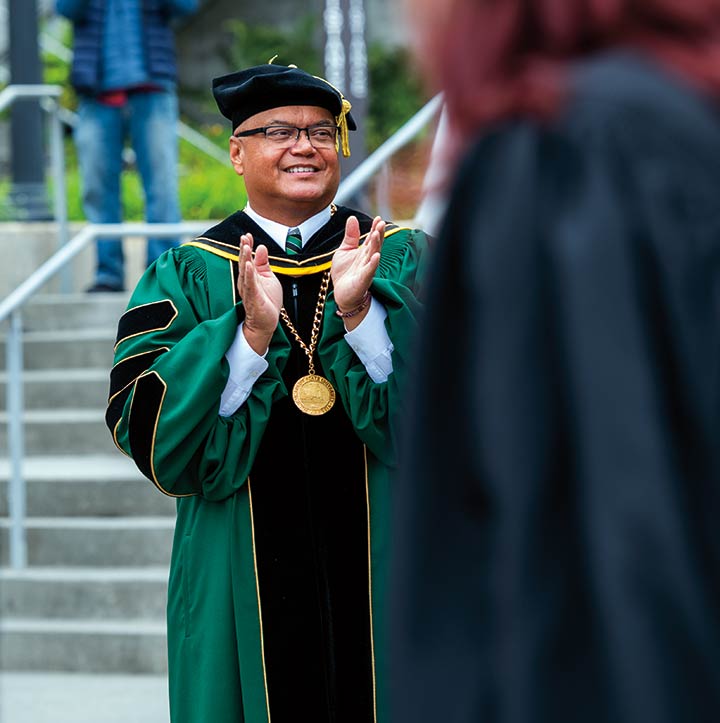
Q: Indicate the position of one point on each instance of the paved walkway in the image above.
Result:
(78, 698)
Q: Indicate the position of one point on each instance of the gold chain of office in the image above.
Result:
(312, 394)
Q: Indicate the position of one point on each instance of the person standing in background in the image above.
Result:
(557, 551)
(124, 72)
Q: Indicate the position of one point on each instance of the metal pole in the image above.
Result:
(57, 157)
(358, 76)
(382, 191)
(28, 192)
(16, 444)
(346, 67)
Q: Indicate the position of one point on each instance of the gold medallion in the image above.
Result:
(313, 394)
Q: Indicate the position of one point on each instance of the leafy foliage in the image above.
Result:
(395, 92)
(57, 72)
(257, 44)
(208, 189)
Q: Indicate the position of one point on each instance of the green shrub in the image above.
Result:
(257, 44)
(6, 211)
(395, 92)
(208, 189)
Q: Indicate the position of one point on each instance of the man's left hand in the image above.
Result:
(354, 266)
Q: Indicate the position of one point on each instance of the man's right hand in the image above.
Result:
(261, 294)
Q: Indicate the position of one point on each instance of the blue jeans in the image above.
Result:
(149, 121)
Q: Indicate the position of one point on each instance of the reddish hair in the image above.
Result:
(499, 58)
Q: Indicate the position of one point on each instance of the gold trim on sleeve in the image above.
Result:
(114, 436)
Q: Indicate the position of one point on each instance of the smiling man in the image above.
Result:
(257, 378)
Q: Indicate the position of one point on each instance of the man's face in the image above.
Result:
(287, 185)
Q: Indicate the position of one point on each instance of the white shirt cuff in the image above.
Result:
(245, 367)
(370, 341)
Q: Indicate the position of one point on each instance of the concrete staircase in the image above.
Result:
(92, 598)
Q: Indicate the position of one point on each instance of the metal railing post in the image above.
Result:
(16, 443)
(382, 190)
(57, 160)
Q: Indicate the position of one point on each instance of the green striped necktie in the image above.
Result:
(293, 242)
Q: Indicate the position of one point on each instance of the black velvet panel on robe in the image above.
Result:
(311, 532)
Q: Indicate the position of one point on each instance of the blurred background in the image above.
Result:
(222, 37)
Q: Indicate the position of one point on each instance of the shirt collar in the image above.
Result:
(278, 231)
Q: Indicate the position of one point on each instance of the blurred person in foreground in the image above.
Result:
(257, 378)
(558, 555)
(124, 71)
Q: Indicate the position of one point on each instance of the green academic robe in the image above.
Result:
(279, 559)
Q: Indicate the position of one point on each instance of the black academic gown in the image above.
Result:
(557, 522)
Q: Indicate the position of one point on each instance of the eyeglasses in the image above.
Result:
(285, 136)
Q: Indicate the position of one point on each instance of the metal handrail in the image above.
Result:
(10, 308)
(359, 178)
(11, 305)
(29, 90)
(48, 95)
(88, 233)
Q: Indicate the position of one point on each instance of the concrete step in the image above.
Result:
(44, 697)
(109, 646)
(74, 311)
(59, 349)
(90, 485)
(93, 541)
(56, 388)
(84, 593)
(62, 431)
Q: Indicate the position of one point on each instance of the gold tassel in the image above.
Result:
(344, 138)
